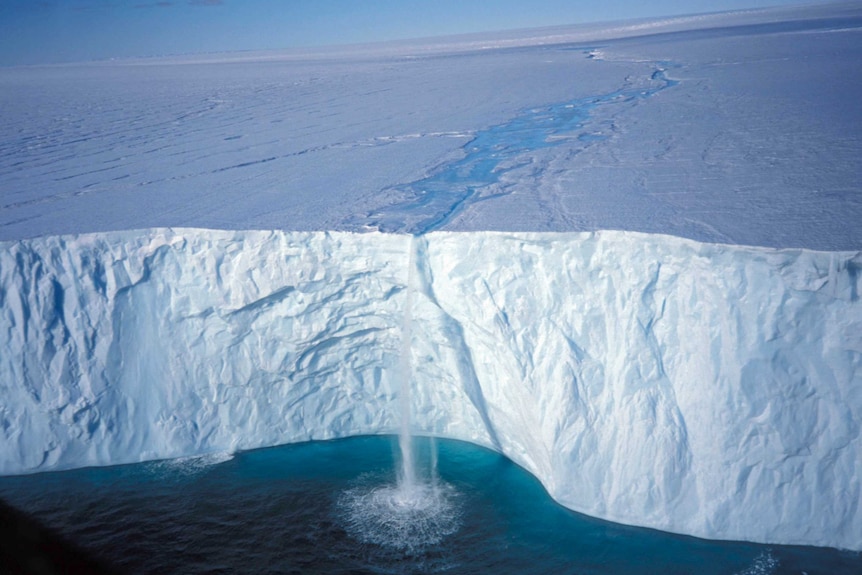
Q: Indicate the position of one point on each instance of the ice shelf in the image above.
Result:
(705, 389)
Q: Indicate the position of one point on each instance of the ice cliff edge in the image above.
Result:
(703, 389)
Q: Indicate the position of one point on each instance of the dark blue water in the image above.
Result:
(299, 509)
(430, 203)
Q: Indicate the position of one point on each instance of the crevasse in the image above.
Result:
(704, 389)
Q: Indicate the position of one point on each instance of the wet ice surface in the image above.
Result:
(291, 145)
(758, 143)
(431, 203)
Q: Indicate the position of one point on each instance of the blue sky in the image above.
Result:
(34, 31)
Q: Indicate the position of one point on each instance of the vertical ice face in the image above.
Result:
(698, 388)
(163, 343)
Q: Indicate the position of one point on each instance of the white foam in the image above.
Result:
(763, 564)
(192, 465)
(408, 520)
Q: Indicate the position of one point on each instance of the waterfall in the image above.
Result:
(407, 475)
(413, 514)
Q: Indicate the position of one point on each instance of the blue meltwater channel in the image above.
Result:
(305, 508)
(430, 203)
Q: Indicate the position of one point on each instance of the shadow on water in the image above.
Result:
(305, 509)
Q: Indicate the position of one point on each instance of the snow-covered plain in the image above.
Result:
(757, 144)
(700, 388)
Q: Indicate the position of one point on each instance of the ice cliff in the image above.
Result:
(704, 389)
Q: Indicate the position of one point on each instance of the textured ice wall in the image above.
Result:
(139, 345)
(697, 388)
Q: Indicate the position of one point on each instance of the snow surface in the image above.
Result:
(757, 143)
(701, 388)
(705, 389)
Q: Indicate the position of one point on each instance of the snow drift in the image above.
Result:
(704, 389)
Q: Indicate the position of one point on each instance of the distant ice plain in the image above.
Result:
(758, 144)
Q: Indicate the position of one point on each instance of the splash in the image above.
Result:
(764, 564)
(409, 521)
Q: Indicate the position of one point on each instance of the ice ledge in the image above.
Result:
(697, 388)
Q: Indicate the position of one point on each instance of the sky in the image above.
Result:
(41, 32)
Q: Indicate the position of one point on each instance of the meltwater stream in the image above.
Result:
(432, 202)
(290, 509)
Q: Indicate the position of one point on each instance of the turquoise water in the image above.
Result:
(303, 509)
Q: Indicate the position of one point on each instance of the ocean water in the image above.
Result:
(334, 507)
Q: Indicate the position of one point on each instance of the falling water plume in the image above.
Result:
(407, 476)
(414, 513)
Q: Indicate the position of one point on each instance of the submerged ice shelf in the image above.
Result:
(704, 389)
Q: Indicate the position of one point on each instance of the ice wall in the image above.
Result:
(697, 388)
